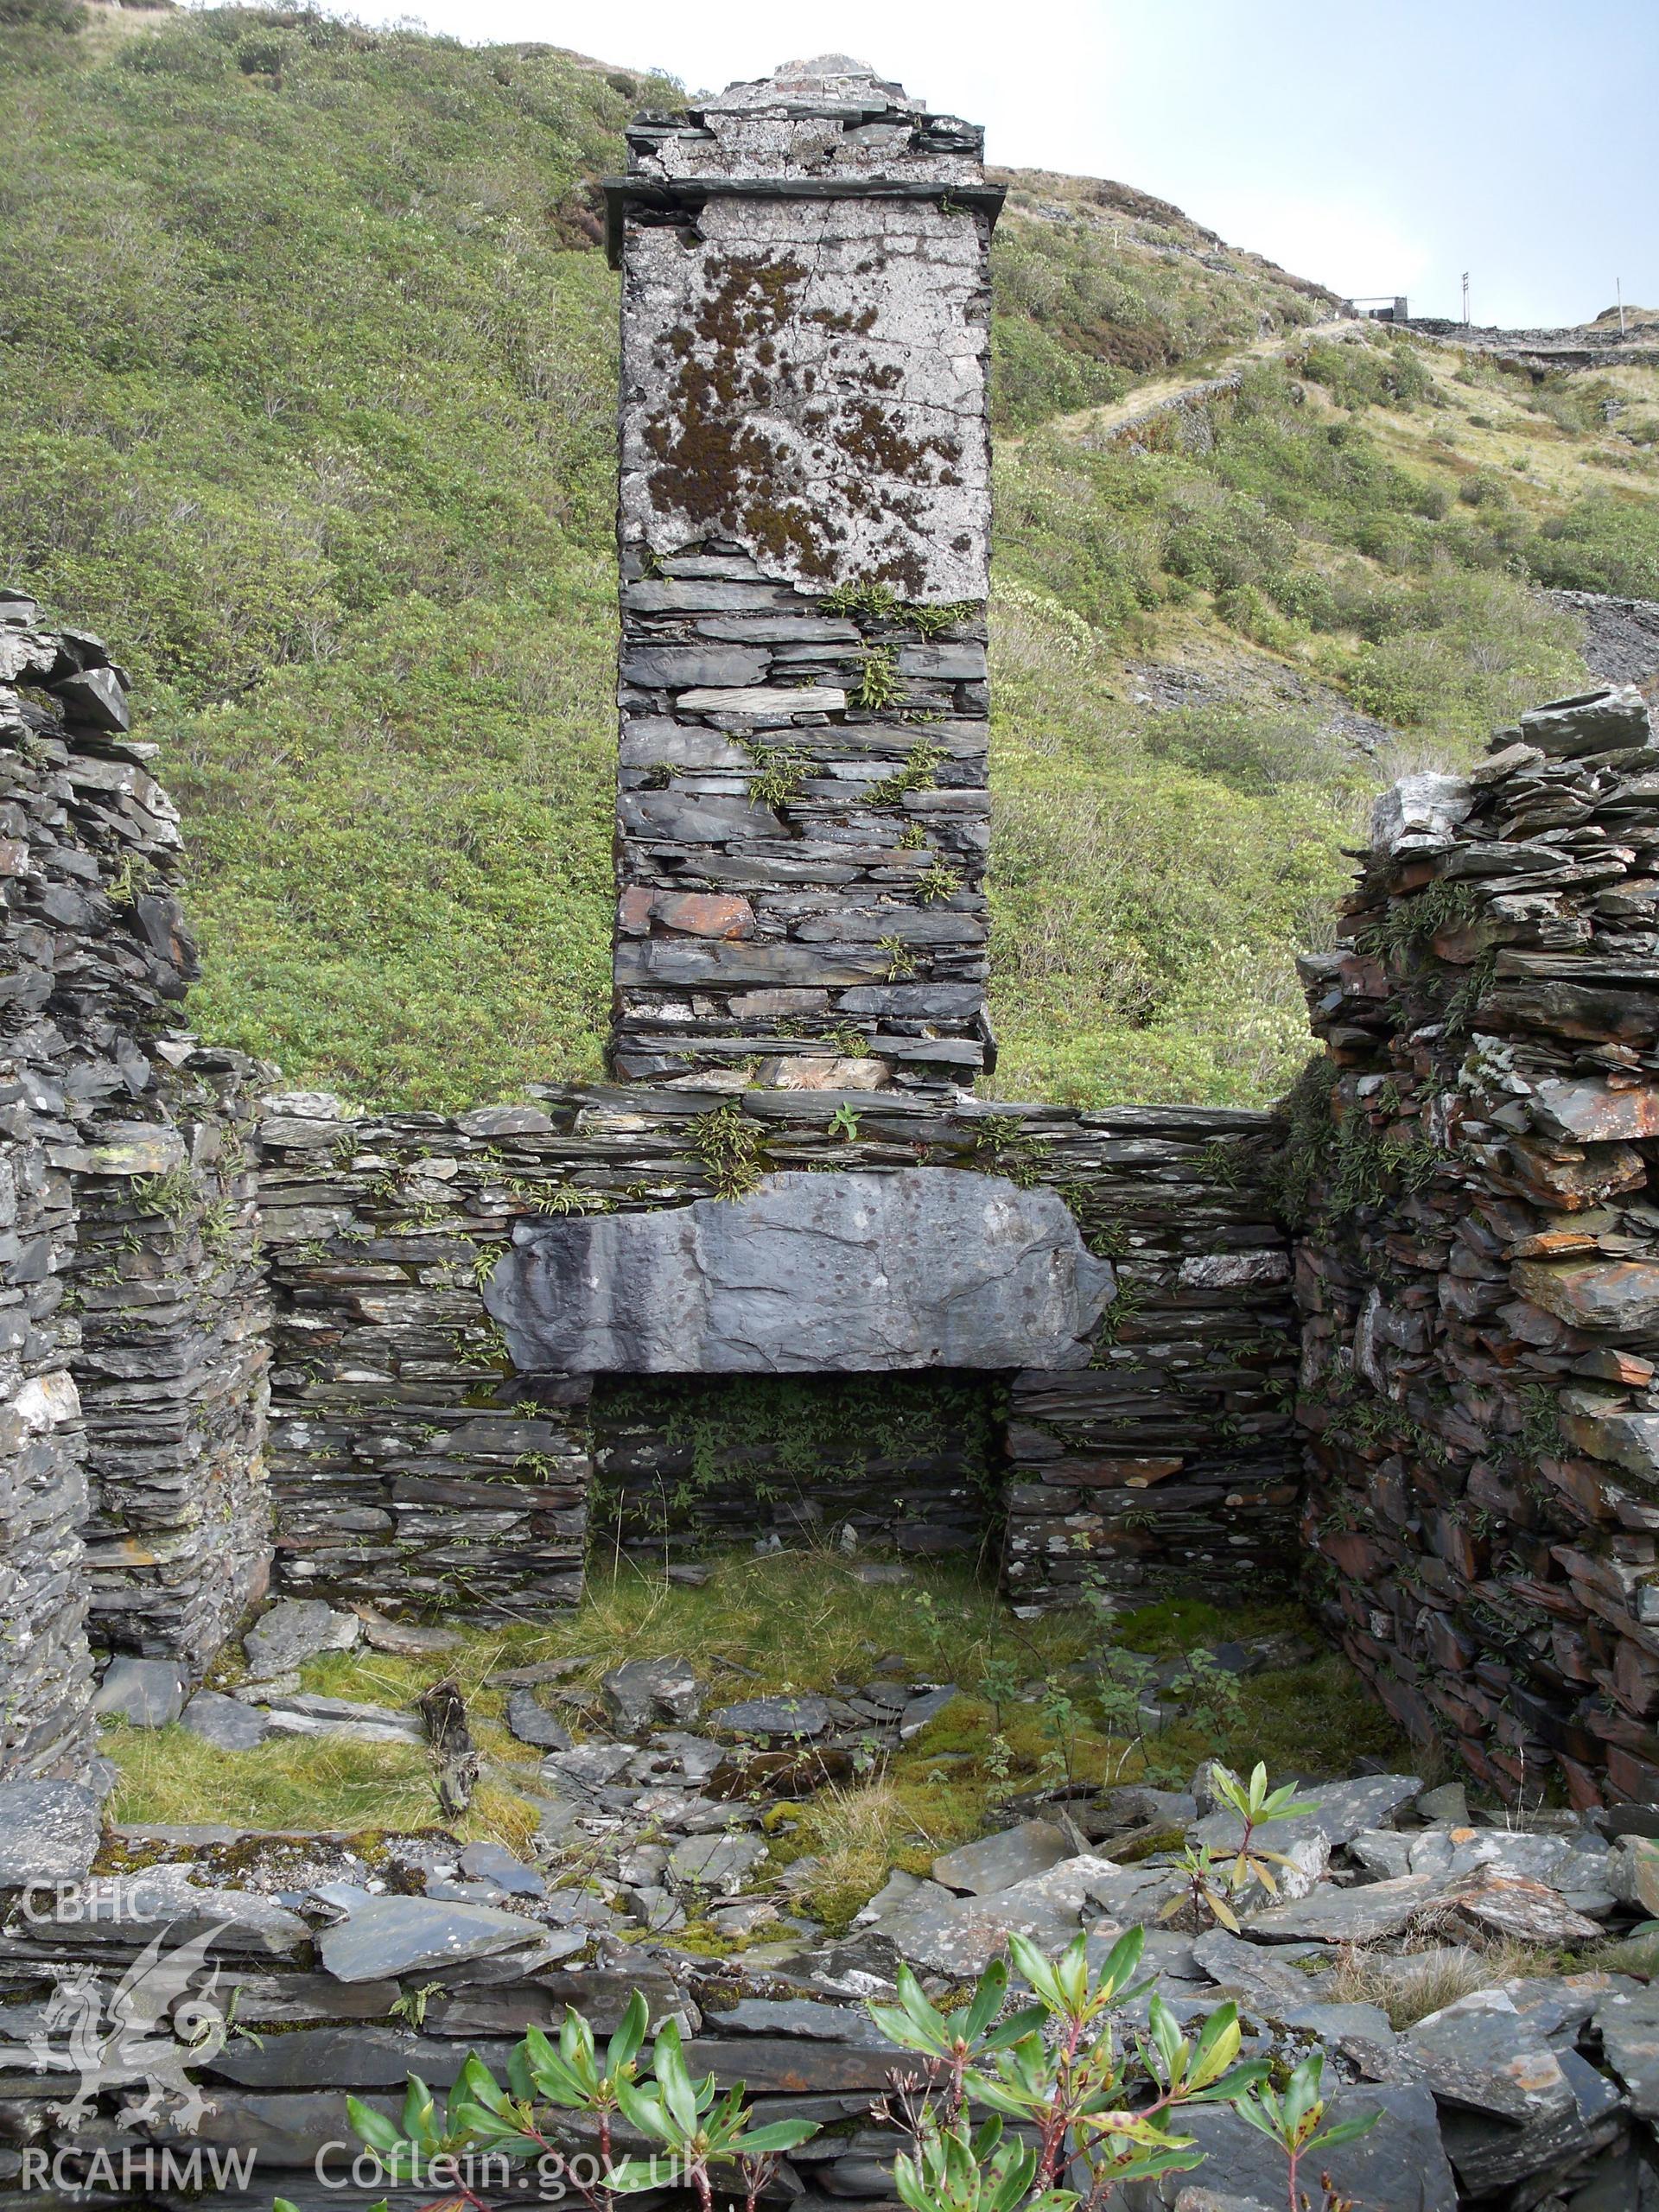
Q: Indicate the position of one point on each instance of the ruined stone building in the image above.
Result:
(255, 1337)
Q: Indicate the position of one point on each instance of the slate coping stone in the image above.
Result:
(1385, 1853)
(144, 1693)
(1563, 1861)
(1448, 1802)
(259, 1689)
(962, 1935)
(587, 1767)
(1126, 1893)
(787, 2065)
(1491, 2154)
(721, 1863)
(405, 1639)
(861, 2174)
(125, 1911)
(1267, 1975)
(799, 2016)
(1163, 1952)
(996, 1862)
(1133, 1805)
(1628, 2024)
(1365, 1914)
(544, 1670)
(898, 1890)
(302, 1715)
(643, 1691)
(921, 1710)
(1526, 1911)
(282, 2127)
(1197, 2196)
(386, 1935)
(1558, 2003)
(1358, 2031)
(49, 1832)
(225, 1722)
(1482, 2054)
(360, 2056)
(190, 1832)
(494, 1862)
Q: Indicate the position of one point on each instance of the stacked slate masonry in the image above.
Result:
(1478, 1267)
(131, 1375)
(803, 816)
(414, 1463)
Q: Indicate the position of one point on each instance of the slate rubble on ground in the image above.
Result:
(383, 1955)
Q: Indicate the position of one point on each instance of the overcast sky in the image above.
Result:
(1380, 150)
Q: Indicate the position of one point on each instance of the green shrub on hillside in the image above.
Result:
(1084, 526)
(308, 375)
(1251, 749)
(1036, 375)
(1602, 543)
(1467, 651)
(1300, 528)
(1145, 914)
(65, 16)
(1089, 298)
(1574, 404)
(1369, 374)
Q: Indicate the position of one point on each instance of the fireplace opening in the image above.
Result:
(906, 1464)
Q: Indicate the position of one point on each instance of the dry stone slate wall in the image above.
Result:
(173, 1366)
(1479, 1270)
(130, 1405)
(413, 1461)
(803, 817)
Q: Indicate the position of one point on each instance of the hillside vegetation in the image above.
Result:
(307, 366)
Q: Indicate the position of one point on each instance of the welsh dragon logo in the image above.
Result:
(159, 2020)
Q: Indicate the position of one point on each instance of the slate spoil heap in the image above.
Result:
(132, 1360)
(1479, 1266)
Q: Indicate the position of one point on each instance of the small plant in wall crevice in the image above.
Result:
(730, 1148)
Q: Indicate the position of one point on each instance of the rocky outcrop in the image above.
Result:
(1479, 1269)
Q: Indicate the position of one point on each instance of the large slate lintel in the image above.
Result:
(930, 1267)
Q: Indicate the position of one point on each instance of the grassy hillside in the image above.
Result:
(1371, 524)
(307, 362)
